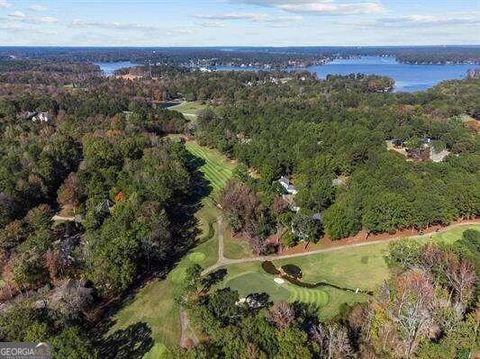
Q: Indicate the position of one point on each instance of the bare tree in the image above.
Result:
(431, 255)
(239, 204)
(333, 341)
(462, 277)
(71, 298)
(411, 309)
(281, 314)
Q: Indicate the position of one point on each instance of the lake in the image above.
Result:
(408, 77)
(108, 68)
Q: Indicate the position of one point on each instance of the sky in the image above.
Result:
(239, 22)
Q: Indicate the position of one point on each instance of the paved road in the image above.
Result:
(226, 261)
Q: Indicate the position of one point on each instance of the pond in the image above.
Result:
(270, 268)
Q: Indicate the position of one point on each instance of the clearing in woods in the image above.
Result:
(154, 303)
(189, 109)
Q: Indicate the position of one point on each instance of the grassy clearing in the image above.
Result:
(189, 109)
(451, 235)
(154, 304)
(356, 267)
(236, 248)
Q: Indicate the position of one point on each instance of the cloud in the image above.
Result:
(135, 27)
(334, 9)
(113, 25)
(18, 28)
(472, 18)
(4, 4)
(20, 17)
(17, 15)
(217, 20)
(232, 16)
(212, 23)
(36, 7)
(319, 7)
(47, 19)
(175, 32)
(280, 2)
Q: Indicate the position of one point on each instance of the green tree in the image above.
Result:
(71, 344)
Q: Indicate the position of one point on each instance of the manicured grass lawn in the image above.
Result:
(451, 235)
(363, 268)
(236, 248)
(360, 267)
(217, 169)
(356, 267)
(189, 109)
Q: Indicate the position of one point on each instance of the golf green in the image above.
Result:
(254, 282)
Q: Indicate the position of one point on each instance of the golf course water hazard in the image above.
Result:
(293, 273)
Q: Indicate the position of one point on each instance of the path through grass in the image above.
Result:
(355, 267)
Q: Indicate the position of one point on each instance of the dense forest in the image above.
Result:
(271, 57)
(320, 132)
(124, 191)
(95, 199)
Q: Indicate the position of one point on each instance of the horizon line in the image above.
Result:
(232, 46)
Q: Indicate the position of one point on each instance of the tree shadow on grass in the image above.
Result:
(132, 342)
(135, 341)
(213, 278)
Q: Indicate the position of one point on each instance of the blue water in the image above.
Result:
(108, 68)
(408, 77)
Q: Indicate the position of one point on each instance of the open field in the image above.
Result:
(154, 304)
(236, 248)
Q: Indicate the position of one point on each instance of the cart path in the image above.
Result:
(221, 243)
(223, 262)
